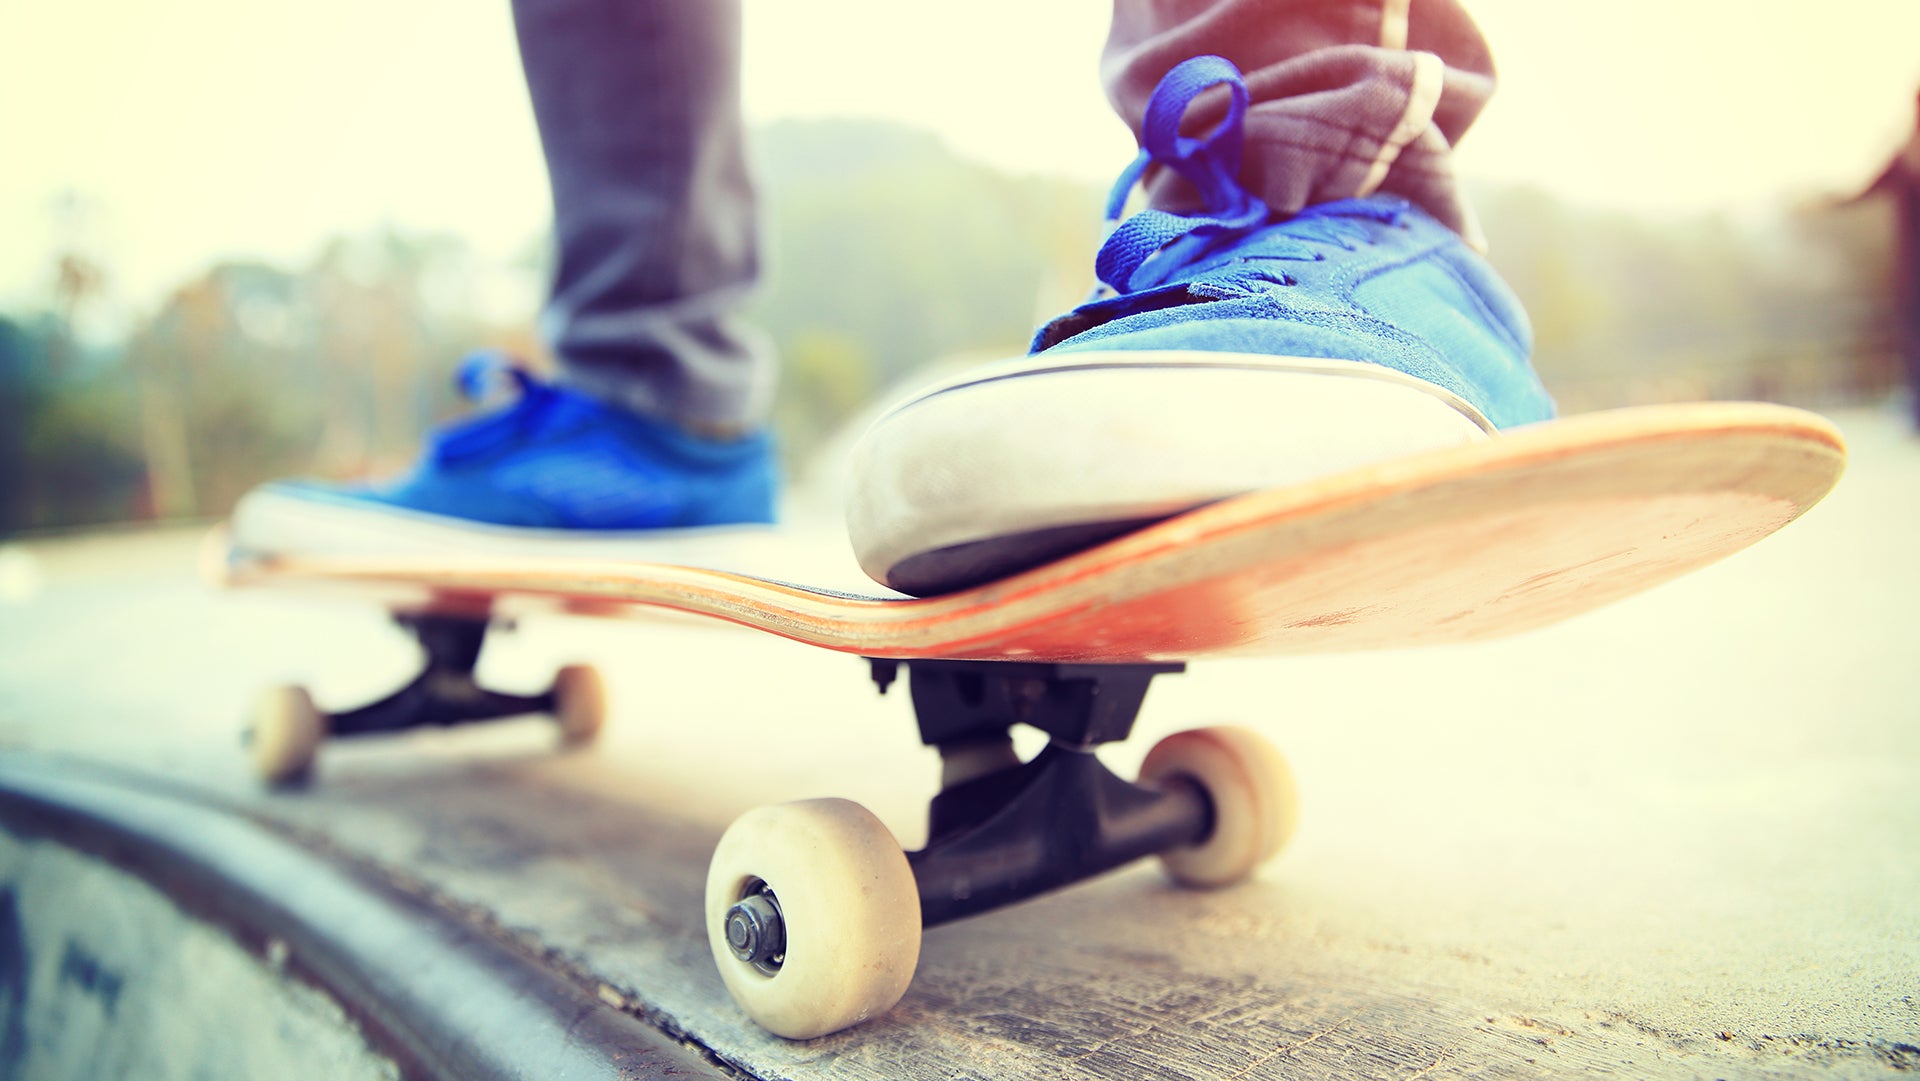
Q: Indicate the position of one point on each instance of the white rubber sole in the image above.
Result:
(270, 522)
(1041, 445)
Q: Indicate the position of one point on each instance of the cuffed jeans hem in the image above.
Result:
(712, 376)
(664, 393)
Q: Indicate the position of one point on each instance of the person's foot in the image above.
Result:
(554, 470)
(1229, 350)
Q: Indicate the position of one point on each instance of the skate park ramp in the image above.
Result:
(145, 933)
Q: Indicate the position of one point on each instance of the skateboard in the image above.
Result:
(814, 912)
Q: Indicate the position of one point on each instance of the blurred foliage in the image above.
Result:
(66, 450)
(885, 252)
(1796, 308)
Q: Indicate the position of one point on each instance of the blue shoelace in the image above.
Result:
(482, 375)
(1149, 248)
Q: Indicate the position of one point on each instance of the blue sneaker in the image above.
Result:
(1227, 350)
(555, 470)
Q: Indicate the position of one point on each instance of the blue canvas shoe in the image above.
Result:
(1227, 350)
(552, 471)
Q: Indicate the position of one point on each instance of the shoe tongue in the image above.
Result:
(481, 375)
(1088, 316)
(476, 437)
(1381, 208)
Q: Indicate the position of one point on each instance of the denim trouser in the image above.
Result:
(638, 105)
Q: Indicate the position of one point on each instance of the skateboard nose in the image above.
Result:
(755, 932)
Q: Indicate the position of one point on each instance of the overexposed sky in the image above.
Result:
(202, 129)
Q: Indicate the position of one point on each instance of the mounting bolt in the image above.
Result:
(756, 933)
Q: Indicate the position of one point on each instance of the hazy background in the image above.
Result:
(244, 239)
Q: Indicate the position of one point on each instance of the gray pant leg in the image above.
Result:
(1350, 97)
(638, 106)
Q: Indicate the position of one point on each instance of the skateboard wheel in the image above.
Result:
(286, 732)
(843, 898)
(579, 703)
(1255, 803)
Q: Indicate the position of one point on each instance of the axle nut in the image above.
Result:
(755, 932)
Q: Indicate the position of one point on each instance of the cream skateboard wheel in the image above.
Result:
(579, 703)
(813, 916)
(286, 732)
(1252, 793)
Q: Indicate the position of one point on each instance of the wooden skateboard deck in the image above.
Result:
(1522, 530)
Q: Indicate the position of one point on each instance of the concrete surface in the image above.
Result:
(1679, 837)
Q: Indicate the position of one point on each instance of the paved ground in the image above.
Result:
(1678, 837)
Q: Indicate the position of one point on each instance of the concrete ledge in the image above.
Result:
(439, 998)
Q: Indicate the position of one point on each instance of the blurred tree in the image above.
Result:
(1847, 290)
(211, 416)
(886, 251)
(77, 281)
(65, 458)
(1899, 186)
(825, 378)
(388, 315)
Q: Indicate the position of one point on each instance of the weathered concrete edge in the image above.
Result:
(444, 1000)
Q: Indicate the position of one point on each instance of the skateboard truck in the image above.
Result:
(287, 729)
(445, 692)
(1000, 835)
(816, 913)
